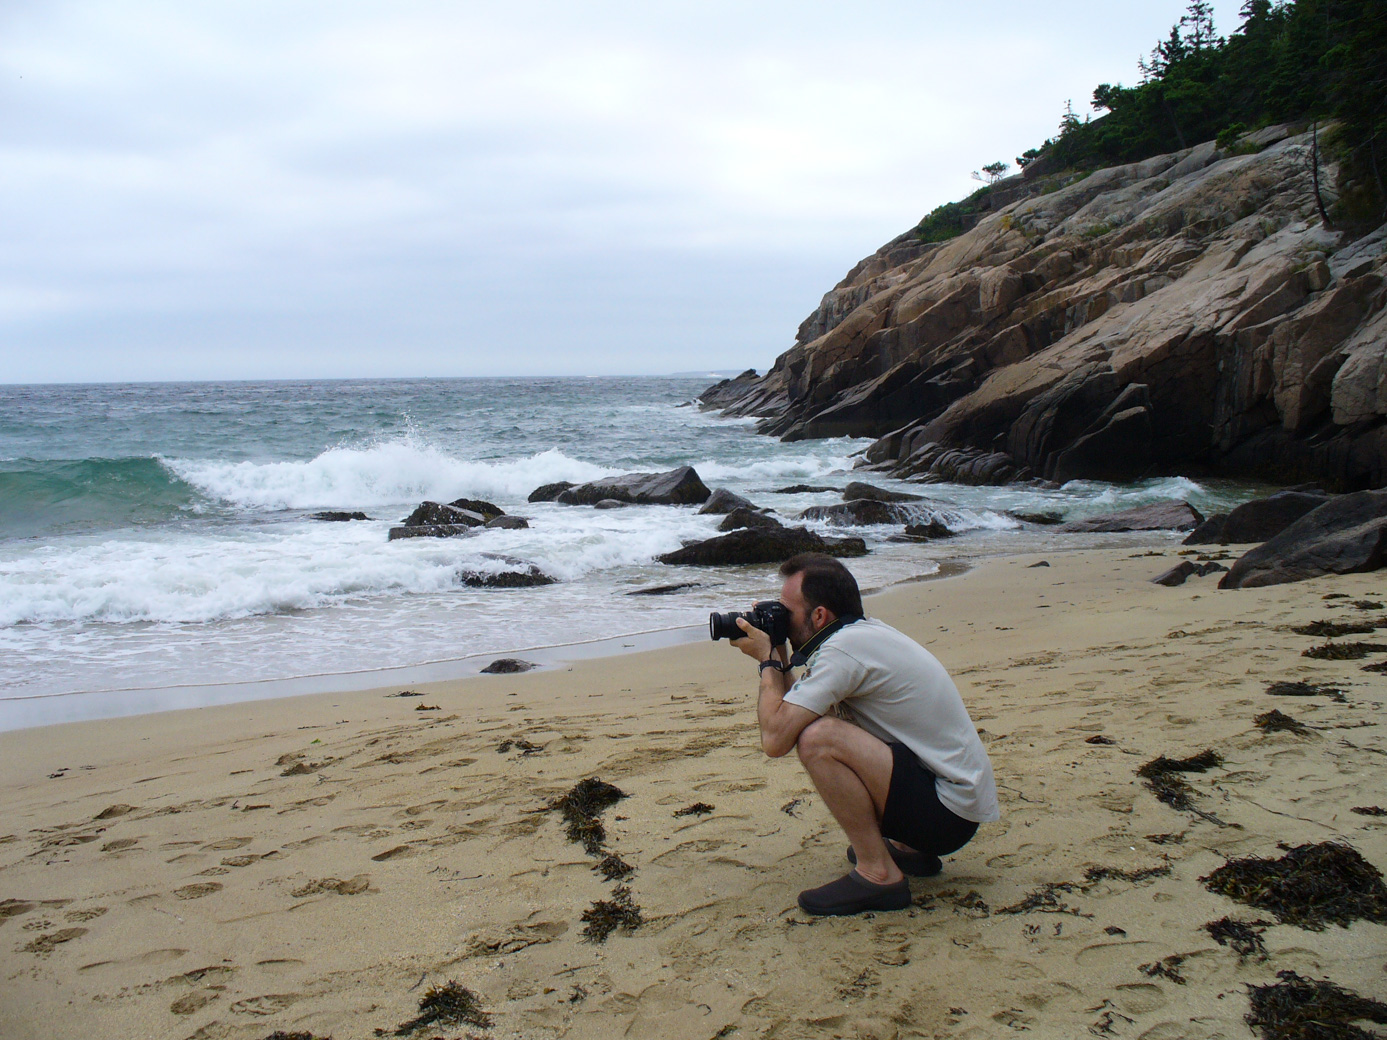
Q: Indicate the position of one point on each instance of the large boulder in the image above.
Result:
(1163, 516)
(1259, 520)
(1345, 535)
(857, 490)
(724, 501)
(678, 487)
(749, 545)
(431, 531)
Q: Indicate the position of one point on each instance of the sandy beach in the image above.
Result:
(317, 864)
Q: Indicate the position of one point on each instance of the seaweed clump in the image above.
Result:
(697, 809)
(1278, 722)
(607, 915)
(612, 867)
(1044, 900)
(582, 808)
(1369, 810)
(1305, 689)
(1310, 886)
(1331, 629)
(1245, 937)
(1095, 874)
(1343, 651)
(1162, 776)
(280, 1034)
(1168, 968)
(1297, 1008)
(447, 1005)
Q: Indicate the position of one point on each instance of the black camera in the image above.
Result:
(770, 616)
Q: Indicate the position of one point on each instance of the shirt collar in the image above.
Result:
(802, 655)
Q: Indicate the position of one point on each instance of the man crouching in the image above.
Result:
(907, 778)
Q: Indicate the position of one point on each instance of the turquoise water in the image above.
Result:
(159, 535)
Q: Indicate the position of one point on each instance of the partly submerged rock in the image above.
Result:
(611, 503)
(1177, 574)
(1258, 520)
(860, 512)
(857, 490)
(508, 666)
(549, 492)
(744, 517)
(724, 501)
(431, 531)
(512, 574)
(479, 506)
(803, 489)
(435, 513)
(1047, 518)
(666, 590)
(506, 522)
(1163, 516)
(337, 516)
(1346, 535)
(928, 532)
(748, 546)
(680, 486)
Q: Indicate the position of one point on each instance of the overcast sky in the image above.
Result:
(258, 190)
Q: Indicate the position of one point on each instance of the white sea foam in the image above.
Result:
(384, 474)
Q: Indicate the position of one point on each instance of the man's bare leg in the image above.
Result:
(852, 771)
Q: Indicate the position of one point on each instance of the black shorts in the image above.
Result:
(914, 814)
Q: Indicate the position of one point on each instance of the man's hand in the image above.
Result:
(755, 644)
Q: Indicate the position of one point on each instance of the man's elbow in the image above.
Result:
(776, 745)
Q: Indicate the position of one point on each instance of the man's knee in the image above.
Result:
(819, 738)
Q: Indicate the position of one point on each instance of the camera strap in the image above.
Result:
(802, 655)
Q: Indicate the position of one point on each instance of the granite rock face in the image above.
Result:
(1346, 535)
(680, 486)
(1258, 520)
(1187, 310)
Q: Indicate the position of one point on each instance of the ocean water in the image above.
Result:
(157, 549)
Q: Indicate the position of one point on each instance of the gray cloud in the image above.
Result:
(256, 190)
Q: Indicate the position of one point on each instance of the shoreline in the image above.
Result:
(139, 701)
(317, 863)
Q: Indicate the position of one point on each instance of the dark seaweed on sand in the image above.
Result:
(1245, 937)
(1095, 874)
(1162, 776)
(1278, 722)
(280, 1034)
(612, 867)
(697, 809)
(1369, 810)
(1343, 651)
(1305, 689)
(1045, 900)
(1379, 666)
(581, 808)
(607, 915)
(447, 1005)
(1334, 629)
(1310, 886)
(1298, 1008)
(1169, 968)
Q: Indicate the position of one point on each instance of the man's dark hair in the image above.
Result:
(826, 583)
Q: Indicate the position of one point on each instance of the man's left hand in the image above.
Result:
(756, 644)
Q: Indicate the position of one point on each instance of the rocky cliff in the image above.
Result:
(1187, 313)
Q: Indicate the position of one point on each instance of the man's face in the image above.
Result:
(802, 621)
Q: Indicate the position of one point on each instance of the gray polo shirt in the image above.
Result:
(899, 693)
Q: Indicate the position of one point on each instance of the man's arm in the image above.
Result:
(781, 723)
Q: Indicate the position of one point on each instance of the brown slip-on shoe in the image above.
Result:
(854, 894)
(912, 864)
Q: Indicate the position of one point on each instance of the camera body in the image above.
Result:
(770, 616)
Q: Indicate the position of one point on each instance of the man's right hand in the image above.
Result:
(756, 644)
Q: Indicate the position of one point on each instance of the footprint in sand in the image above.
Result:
(47, 943)
(119, 844)
(227, 844)
(191, 1002)
(204, 888)
(152, 957)
(266, 1004)
(85, 915)
(239, 861)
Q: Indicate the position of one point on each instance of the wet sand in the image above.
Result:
(316, 864)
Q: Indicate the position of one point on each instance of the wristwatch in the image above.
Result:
(771, 663)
